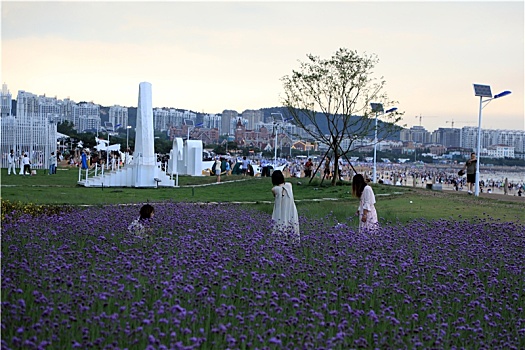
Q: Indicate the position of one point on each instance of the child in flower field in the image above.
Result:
(139, 226)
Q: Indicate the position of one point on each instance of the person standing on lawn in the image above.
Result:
(11, 162)
(52, 163)
(284, 216)
(367, 212)
(27, 164)
(470, 166)
(218, 168)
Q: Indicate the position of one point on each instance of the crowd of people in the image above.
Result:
(23, 162)
(388, 174)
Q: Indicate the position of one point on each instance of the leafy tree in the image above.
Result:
(163, 146)
(341, 88)
(67, 128)
(225, 147)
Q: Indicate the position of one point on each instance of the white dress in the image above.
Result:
(137, 228)
(285, 217)
(367, 202)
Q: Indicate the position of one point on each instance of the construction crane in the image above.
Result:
(452, 122)
(421, 117)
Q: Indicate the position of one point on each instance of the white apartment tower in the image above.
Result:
(253, 117)
(228, 122)
(6, 102)
(212, 121)
(118, 115)
(490, 137)
(164, 118)
(87, 115)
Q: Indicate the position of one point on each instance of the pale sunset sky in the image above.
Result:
(211, 56)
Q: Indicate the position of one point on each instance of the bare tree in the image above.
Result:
(341, 88)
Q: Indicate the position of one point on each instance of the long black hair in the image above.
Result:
(146, 211)
(277, 178)
(358, 185)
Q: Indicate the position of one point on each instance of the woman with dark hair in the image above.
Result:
(139, 226)
(285, 217)
(366, 211)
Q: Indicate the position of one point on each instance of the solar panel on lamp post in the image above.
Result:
(482, 91)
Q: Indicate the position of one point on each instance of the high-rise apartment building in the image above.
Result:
(26, 104)
(118, 115)
(253, 117)
(228, 122)
(448, 137)
(67, 107)
(6, 100)
(212, 121)
(415, 134)
(166, 118)
(88, 116)
(161, 118)
(490, 137)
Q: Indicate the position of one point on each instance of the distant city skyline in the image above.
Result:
(241, 111)
(212, 56)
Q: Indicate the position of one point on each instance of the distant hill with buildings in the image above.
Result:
(323, 123)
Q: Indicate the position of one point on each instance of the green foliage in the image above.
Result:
(341, 88)
(163, 145)
(67, 128)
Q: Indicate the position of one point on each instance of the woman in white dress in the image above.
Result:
(367, 210)
(285, 217)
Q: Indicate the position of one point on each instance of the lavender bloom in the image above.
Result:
(197, 282)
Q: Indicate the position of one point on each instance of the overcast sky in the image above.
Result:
(211, 56)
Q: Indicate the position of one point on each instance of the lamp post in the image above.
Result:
(378, 109)
(275, 123)
(291, 144)
(127, 143)
(483, 91)
(127, 137)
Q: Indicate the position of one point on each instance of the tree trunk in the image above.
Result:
(335, 174)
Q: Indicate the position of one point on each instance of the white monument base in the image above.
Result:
(143, 170)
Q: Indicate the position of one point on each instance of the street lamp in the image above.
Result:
(276, 123)
(483, 91)
(127, 137)
(275, 130)
(127, 143)
(378, 109)
(191, 128)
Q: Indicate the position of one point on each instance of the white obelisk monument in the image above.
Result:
(143, 170)
(144, 162)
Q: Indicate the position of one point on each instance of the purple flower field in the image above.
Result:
(214, 277)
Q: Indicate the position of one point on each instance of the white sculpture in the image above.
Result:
(143, 170)
(193, 157)
(175, 163)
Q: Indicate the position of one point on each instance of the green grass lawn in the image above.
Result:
(314, 200)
